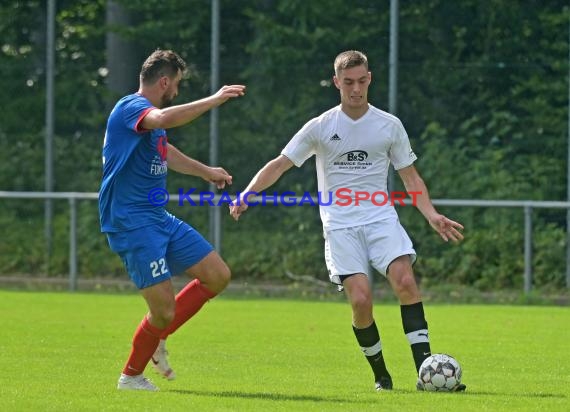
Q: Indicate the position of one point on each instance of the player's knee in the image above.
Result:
(224, 276)
(361, 303)
(161, 318)
(406, 284)
(219, 278)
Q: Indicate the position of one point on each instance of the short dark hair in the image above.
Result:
(161, 63)
(349, 59)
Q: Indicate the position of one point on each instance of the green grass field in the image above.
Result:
(64, 352)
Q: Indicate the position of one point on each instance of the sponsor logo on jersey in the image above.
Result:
(354, 160)
(161, 147)
(159, 165)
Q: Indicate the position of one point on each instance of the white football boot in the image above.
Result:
(135, 383)
(160, 361)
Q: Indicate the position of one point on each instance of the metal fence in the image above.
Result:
(526, 205)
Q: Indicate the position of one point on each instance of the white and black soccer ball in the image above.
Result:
(440, 373)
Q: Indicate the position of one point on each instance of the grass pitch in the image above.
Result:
(64, 352)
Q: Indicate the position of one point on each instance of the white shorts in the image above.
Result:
(356, 249)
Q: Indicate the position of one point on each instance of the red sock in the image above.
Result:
(188, 301)
(145, 343)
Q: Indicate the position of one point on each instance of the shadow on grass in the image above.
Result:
(315, 398)
(269, 396)
(518, 395)
(483, 393)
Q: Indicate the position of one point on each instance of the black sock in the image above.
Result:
(416, 330)
(369, 341)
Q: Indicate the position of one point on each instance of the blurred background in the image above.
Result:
(481, 86)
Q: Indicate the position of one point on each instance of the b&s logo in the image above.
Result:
(355, 159)
(355, 155)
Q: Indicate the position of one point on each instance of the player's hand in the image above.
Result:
(228, 92)
(218, 176)
(237, 207)
(447, 228)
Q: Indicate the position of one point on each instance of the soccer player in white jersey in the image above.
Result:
(354, 144)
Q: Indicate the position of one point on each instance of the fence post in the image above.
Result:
(527, 248)
(72, 244)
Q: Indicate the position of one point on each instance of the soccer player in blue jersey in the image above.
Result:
(152, 243)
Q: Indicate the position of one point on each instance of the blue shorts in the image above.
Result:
(153, 254)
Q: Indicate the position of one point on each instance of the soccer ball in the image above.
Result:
(440, 373)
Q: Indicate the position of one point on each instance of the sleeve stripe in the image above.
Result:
(137, 127)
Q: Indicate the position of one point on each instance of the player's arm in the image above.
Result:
(416, 188)
(181, 163)
(184, 113)
(267, 176)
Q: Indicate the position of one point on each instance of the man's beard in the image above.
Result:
(166, 101)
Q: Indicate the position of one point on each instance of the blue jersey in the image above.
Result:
(134, 163)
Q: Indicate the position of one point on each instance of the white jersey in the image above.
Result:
(352, 156)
